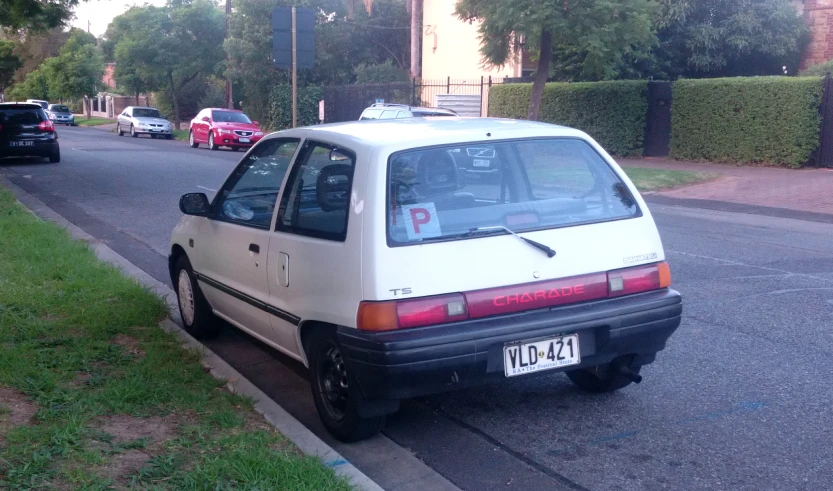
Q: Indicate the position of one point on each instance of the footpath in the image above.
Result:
(798, 193)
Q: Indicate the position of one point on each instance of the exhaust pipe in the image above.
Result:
(629, 374)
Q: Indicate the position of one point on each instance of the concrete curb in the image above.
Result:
(278, 417)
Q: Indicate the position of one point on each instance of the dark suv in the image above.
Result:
(26, 131)
(401, 111)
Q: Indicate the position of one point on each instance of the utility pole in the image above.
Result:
(294, 70)
(229, 94)
(88, 26)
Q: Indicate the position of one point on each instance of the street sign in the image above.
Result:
(321, 111)
(282, 37)
(380, 101)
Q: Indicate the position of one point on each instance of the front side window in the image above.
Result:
(463, 190)
(145, 112)
(316, 201)
(248, 197)
(230, 117)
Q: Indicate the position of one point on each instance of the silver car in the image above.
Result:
(60, 114)
(138, 120)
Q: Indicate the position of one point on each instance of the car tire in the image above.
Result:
(118, 129)
(133, 132)
(169, 137)
(599, 379)
(211, 143)
(191, 141)
(55, 156)
(197, 317)
(335, 391)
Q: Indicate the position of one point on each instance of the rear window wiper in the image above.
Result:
(499, 228)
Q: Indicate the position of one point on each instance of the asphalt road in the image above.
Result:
(741, 399)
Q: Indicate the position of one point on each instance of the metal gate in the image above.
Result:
(658, 120)
(823, 156)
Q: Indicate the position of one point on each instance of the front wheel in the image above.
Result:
(197, 316)
(211, 144)
(191, 141)
(118, 129)
(603, 378)
(133, 132)
(335, 392)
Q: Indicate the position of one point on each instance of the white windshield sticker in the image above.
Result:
(421, 221)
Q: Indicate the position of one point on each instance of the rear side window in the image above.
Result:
(316, 199)
(455, 192)
(17, 115)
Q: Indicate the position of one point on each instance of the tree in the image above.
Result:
(700, 38)
(34, 86)
(166, 48)
(415, 9)
(602, 29)
(9, 63)
(342, 43)
(37, 15)
(76, 72)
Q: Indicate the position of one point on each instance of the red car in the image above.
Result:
(224, 128)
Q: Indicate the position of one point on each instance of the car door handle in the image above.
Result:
(254, 248)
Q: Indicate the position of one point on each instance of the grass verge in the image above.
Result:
(181, 135)
(93, 395)
(662, 180)
(93, 121)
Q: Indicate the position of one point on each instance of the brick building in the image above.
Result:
(818, 14)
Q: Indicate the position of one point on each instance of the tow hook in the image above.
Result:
(625, 371)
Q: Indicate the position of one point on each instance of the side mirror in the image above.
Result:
(206, 119)
(338, 156)
(195, 204)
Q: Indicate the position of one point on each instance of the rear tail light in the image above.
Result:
(46, 126)
(442, 309)
(639, 279)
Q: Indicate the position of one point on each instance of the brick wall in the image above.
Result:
(819, 17)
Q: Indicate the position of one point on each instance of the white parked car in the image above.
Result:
(361, 250)
(137, 120)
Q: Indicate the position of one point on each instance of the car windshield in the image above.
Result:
(456, 191)
(58, 108)
(145, 112)
(229, 117)
(18, 115)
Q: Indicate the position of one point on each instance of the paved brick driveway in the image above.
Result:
(809, 190)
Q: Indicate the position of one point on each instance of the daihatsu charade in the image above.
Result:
(373, 254)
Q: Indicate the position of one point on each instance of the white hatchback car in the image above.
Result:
(362, 250)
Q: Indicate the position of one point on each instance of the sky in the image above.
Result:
(101, 12)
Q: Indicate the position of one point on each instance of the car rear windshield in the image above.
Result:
(455, 192)
(143, 112)
(230, 117)
(57, 108)
(21, 115)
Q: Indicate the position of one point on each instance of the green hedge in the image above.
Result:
(772, 120)
(613, 113)
(280, 106)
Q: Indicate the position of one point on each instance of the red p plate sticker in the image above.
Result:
(421, 221)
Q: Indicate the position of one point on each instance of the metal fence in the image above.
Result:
(466, 96)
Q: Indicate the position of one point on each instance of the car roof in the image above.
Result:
(222, 109)
(413, 132)
(139, 107)
(21, 105)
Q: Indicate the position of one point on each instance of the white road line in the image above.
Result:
(207, 189)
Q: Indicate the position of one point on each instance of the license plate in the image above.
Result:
(244, 140)
(535, 356)
(23, 143)
(480, 163)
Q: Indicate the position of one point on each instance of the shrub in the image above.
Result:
(380, 73)
(771, 120)
(280, 106)
(613, 113)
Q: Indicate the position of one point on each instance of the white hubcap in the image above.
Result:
(186, 298)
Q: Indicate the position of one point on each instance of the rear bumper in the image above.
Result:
(41, 148)
(416, 362)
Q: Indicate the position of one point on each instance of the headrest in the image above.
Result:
(333, 186)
